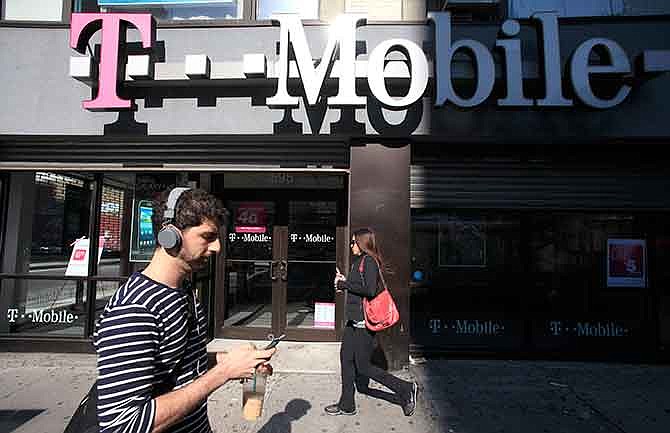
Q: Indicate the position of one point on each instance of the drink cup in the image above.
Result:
(253, 393)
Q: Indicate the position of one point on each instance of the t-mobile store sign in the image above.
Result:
(340, 60)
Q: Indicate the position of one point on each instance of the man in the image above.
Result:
(151, 337)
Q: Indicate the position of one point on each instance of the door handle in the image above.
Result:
(283, 269)
(273, 270)
(278, 269)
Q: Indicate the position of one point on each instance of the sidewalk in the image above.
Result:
(465, 396)
(458, 396)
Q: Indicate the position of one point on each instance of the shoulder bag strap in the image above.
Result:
(381, 275)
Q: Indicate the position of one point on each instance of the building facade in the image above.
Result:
(509, 154)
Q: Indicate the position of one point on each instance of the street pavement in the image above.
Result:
(39, 392)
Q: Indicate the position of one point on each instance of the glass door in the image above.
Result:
(311, 260)
(248, 283)
(282, 246)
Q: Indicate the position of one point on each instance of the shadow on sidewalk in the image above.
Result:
(281, 422)
(475, 396)
(13, 419)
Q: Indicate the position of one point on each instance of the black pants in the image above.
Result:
(355, 355)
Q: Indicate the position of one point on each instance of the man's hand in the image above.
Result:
(241, 362)
(238, 363)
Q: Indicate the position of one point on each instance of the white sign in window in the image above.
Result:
(77, 266)
(324, 315)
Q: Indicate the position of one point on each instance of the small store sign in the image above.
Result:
(626, 263)
(78, 264)
(324, 315)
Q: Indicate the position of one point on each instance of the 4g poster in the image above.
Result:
(626, 263)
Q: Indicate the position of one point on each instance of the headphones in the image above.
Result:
(169, 236)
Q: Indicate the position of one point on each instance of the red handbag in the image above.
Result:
(380, 312)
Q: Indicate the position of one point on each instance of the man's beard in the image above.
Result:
(199, 263)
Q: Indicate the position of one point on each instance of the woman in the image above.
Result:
(358, 341)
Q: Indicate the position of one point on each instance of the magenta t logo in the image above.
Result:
(113, 32)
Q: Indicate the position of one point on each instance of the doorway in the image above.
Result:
(285, 235)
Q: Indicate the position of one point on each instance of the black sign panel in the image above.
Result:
(468, 331)
(585, 334)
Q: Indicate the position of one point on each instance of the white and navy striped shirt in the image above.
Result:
(146, 343)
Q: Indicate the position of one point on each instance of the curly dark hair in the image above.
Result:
(192, 209)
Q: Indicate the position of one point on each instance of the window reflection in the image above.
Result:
(467, 278)
(308, 9)
(179, 11)
(568, 256)
(310, 287)
(312, 226)
(22, 10)
(248, 294)
(44, 306)
(547, 269)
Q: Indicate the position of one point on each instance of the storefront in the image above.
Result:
(550, 254)
(284, 233)
(515, 173)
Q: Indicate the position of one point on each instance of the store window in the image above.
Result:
(308, 9)
(176, 11)
(592, 8)
(3, 201)
(60, 218)
(114, 220)
(467, 279)
(583, 281)
(189, 10)
(43, 10)
(376, 10)
(464, 11)
(590, 278)
(47, 224)
(46, 285)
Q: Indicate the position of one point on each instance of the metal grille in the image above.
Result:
(515, 184)
(154, 151)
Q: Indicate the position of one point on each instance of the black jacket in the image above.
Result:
(358, 287)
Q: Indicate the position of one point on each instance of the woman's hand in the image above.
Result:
(338, 277)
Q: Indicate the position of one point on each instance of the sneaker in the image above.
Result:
(409, 407)
(334, 409)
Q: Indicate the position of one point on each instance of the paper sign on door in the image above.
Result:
(324, 315)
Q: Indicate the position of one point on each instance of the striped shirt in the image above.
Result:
(147, 346)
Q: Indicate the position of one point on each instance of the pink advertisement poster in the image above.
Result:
(626, 263)
(250, 218)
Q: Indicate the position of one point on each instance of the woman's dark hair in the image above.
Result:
(367, 242)
(192, 209)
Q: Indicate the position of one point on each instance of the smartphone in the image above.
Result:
(275, 341)
(145, 229)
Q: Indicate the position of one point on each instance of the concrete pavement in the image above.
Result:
(477, 396)
(38, 393)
